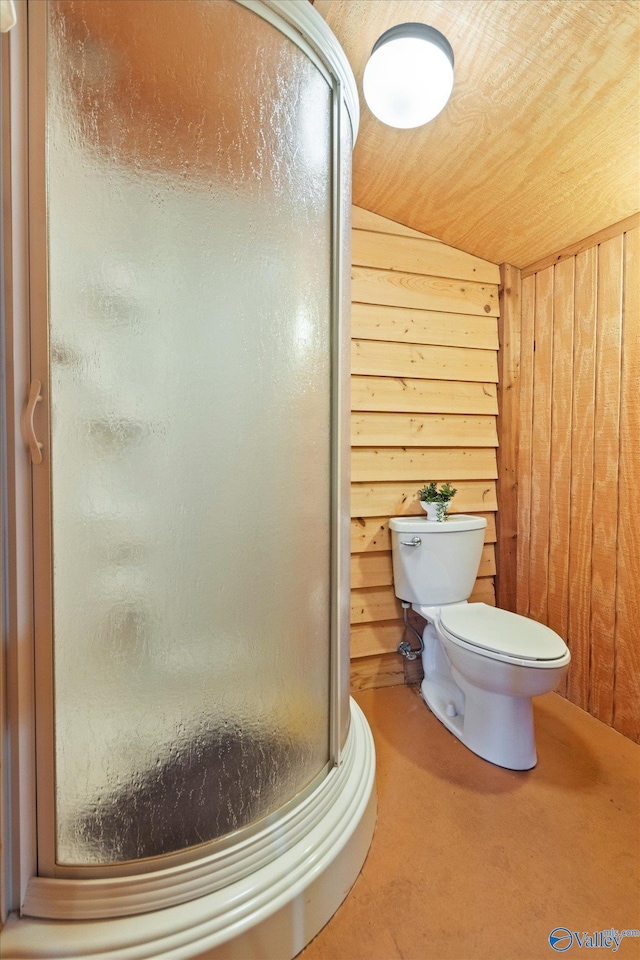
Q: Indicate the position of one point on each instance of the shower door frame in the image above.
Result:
(35, 532)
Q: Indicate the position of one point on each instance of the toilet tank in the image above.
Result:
(435, 563)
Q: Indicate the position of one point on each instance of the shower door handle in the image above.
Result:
(26, 422)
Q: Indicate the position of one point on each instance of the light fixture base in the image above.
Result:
(416, 31)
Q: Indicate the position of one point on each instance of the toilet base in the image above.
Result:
(492, 711)
(496, 727)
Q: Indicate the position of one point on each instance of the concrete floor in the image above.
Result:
(473, 862)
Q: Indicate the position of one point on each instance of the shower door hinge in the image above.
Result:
(26, 422)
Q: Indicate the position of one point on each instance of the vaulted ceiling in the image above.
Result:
(539, 145)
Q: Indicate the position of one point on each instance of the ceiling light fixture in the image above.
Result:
(409, 76)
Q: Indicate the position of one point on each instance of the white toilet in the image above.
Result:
(482, 665)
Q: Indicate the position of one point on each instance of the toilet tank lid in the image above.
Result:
(457, 523)
(502, 631)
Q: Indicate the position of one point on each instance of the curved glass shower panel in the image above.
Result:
(189, 219)
(346, 151)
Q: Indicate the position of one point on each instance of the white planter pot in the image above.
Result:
(435, 511)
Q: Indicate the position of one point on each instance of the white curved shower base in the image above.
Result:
(270, 915)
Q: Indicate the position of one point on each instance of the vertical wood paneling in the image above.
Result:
(581, 480)
(528, 295)
(424, 363)
(561, 418)
(508, 427)
(626, 708)
(605, 476)
(541, 445)
(578, 557)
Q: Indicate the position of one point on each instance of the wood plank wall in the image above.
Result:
(578, 465)
(424, 405)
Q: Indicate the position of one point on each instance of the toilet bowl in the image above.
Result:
(483, 696)
(482, 665)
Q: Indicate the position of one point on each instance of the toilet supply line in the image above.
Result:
(404, 647)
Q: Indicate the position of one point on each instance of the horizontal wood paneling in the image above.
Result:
(372, 321)
(371, 604)
(393, 429)
(385, 670)
(365, 220)
(370, 639)
(423, 361)
(422, 256)
(484, 591)
(397, 499)
(371, 569)
(397, 394)
(578, 466)
(370, 534)
(395, 289)
(416, 463)
(424, 400)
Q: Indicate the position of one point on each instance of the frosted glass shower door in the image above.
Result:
(190, 331)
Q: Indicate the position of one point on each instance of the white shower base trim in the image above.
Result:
(270, 914)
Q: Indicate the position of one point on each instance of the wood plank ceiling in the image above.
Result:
(539, 145)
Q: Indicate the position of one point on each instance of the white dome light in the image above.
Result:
(409, 76)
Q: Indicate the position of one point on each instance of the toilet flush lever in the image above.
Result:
(26, 422)
(414, 542)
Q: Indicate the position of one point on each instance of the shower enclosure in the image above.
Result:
(196, 753)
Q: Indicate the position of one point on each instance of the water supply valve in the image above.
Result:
(404, 649)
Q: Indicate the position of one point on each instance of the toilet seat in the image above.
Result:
(501, 635)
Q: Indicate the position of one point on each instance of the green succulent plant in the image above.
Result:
(430, 493)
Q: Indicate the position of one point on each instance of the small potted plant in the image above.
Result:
(436, 502)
